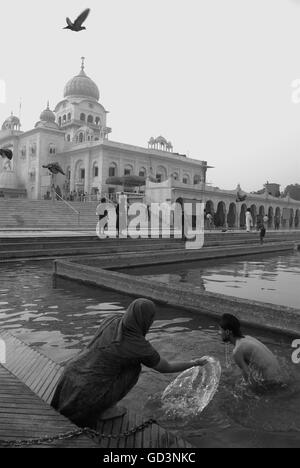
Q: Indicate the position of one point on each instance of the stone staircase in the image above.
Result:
(47, 215)
(35, 229)
(54, 247)
(230, 238)
(49, 246)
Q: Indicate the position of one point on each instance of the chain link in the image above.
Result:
(73, 434)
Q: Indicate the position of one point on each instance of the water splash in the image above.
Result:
(228, 361)
(192, 391)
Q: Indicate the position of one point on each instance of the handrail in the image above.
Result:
(70, 206)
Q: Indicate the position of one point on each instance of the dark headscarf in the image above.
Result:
(132, 326)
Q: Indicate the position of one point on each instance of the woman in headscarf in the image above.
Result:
(101, 375)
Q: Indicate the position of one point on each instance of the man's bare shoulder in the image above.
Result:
(244, 345)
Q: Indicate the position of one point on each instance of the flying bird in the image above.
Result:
(6, 153)
(77, 25)
(54, 168)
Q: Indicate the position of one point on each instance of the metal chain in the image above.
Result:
(72, 434)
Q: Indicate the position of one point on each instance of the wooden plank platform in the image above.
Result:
(28, 381)
(24, 416)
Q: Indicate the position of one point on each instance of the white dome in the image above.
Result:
(47, 115)
(11, 122)
(82, 86)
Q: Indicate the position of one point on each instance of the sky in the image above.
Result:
(212, 76)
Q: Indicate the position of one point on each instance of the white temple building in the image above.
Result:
(76, 135)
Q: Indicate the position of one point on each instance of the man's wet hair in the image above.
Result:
(231, 323)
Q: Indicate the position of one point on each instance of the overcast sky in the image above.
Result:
(212, 76)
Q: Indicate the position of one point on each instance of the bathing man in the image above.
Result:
(257, 362)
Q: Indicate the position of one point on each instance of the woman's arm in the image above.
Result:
(165, 367)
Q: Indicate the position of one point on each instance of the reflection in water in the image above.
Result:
(268, 278)
(60, 322)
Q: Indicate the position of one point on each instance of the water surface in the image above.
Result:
(267, 278)
(59, 322)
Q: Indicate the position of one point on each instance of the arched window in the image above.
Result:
(97, 120)
(52, 149)
(232, 215)
(142, 172)
(32, 174)
(81, 137)
(197, 179)
(220, 216)
(23, 152)
(82, 117)
(95, 171)
(33, 148)
(186, 179)
(112, 172)
(90, 119)
(161, 174)
(128, 170)
(69, 116)
(64, 118)
(59, 121)
(68, 137)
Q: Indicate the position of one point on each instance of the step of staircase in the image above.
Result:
(56, 247)
(47, 215)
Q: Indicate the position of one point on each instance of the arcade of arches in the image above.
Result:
(233, 215)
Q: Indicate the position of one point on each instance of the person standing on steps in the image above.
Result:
(266, 221)
(262, 233)
(103, 227)
(249, 220)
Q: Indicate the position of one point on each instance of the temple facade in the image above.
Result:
(77, 136)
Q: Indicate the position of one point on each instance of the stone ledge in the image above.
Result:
(263, 315)
(133, 259)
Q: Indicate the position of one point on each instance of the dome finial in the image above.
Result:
(47, 115)
(81, 86)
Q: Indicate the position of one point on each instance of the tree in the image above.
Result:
(293, 190)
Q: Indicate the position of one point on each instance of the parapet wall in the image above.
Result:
(267, 316)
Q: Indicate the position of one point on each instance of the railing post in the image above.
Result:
(71, 207)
